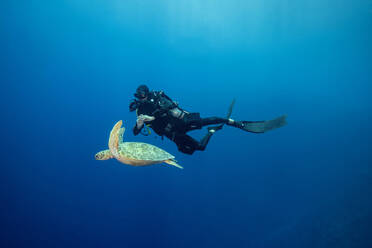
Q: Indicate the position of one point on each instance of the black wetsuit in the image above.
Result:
(160, 105)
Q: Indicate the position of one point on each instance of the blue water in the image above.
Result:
(69, 70)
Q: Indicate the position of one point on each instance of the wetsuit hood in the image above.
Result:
(142, 92)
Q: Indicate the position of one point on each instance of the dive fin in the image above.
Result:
(229, 112)
(262, 126)
(174, 163)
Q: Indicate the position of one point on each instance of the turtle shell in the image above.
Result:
(143, 151)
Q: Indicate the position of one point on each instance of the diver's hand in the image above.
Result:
(142, 118)
(146, 117)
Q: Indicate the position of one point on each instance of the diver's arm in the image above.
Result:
(140, 123)
(136, 129)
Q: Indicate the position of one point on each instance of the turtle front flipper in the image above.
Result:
(103, 155)
(173, 162)
(121, 134)
(114, 139)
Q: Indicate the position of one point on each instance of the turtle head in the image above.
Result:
(103, 155)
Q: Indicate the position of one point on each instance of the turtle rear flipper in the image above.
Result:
(173, 162)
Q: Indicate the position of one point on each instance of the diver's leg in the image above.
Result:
(189, 145)
(213, 120)
(186, 143)
(195, 122)
(204, 141)
(218, 120)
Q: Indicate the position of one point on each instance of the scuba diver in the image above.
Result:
(156, 110)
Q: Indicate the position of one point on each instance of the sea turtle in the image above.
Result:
(134, 153)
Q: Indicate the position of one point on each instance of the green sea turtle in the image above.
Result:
(134, 153)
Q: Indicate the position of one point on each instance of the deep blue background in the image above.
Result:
(69, 69)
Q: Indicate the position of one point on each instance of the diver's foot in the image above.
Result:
(233, 123)
(214, 128)
(243, 125)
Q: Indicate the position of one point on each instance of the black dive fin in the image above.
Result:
(262, 126)
(229, 112)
